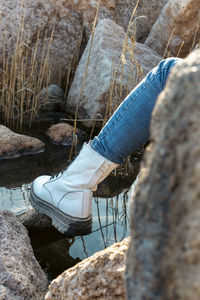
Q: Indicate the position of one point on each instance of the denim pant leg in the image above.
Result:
(128, 128)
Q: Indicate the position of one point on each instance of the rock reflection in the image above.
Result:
(57, 252)
(51, 249)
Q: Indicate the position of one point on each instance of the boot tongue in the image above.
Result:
(60, 172)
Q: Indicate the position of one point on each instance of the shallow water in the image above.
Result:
(54, 251)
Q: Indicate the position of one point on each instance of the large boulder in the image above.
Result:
(97, 277)
(164, 256)
(21, 276)
(13, 144)
(119, 11)
(104, 76)
(145, 16)
(177, 28)
(48, 29)
(88, 12)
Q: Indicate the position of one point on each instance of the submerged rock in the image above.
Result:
(13, 145)
(97, 90)
(97, 277)
(178, 23)
(164, 255)
(21, 276)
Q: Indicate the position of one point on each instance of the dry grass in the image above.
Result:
(23, 76)
(19, 85)
(117, 79)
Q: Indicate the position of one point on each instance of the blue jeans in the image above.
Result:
(128, 128)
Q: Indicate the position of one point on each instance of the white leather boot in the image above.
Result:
(67, 197)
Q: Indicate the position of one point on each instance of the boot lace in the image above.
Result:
(57, 174)
(62, 171)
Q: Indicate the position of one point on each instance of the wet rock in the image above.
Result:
(13, 145)
(178, 23)
(164, 256)
(21, 276)
(99, 90)
(48, 29)
(106, 267)
(51, 104)
(33, 220)
(51, 98)
(63, 134)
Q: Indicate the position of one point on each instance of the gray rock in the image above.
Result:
(51, 104)
(177, 23)
(97, 277)
(164, 256)
(119, 11)
(50, 97)
(13, 145)
(88, 11)
(50, 28)
(21, 276)
(146, 15)
(100, 88)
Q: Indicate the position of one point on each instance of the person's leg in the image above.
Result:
(128, 128)
(66, 197)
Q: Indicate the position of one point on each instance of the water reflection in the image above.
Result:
(55, 251)
(15, 199)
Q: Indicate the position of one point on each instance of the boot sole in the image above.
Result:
(61, 221)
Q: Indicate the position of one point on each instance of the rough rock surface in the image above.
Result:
(101, 87)
(43, 18)
(21, 276)
(50, 97)
(119, 11)
(177, 23)
(97, 277)
(164, 256)
(57, 30)
(146, 15)
(13, 145)
(88, 11)
(63, 134)
(33, 220)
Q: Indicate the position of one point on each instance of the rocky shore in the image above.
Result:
(106, 62)
(91, 71)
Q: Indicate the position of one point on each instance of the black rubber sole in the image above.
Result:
(62, 222)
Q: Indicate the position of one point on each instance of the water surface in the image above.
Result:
(54, 251)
